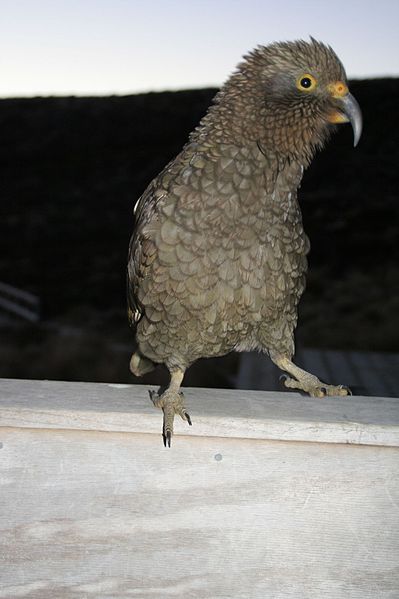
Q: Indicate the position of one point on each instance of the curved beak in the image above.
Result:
(351, 110)
(348, 110)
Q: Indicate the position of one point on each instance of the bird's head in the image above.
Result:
(289, 95)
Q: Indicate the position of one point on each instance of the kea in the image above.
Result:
(217, 259)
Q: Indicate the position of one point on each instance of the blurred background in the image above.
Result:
(96, 97)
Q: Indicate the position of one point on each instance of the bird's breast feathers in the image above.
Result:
(227, 243)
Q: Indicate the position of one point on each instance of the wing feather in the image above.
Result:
(140, 249)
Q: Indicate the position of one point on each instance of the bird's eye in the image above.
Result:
(306, 83)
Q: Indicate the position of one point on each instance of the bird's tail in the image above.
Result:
(140, 365)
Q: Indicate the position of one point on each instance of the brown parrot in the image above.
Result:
(217, 259)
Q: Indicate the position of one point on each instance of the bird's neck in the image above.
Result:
(246, 175)
(230, 121)
(245, 159)
(226, 123)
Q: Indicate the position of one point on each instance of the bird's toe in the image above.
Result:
(334, 391)
(317, 391)
(171, 403)
(344, 390)
(156, 398)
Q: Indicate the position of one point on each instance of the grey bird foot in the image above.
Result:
(171, 402)
(314, 387)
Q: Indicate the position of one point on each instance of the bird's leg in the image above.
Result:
(171, 401)
(305, 381)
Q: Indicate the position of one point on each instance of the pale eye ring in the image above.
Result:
(306, 82)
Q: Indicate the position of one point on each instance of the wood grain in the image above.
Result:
(88, 515)
(215, 412)
(93, 506)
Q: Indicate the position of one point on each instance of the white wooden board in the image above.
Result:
(215, 412)
(93, 506)
(89, 515)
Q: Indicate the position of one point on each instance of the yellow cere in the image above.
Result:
(338, 89)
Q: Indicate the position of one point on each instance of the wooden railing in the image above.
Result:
(267, 495)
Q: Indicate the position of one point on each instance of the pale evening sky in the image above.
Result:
(88, 47)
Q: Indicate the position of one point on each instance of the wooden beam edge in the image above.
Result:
(215, 413)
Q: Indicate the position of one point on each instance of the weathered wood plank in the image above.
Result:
(113, 515)
(215, 412)
(92, 507)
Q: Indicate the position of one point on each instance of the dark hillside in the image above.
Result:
(72, 168)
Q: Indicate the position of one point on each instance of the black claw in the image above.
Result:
(168, 437)
(188, 418)
(282, 378)
(323, 390)
(153, 395)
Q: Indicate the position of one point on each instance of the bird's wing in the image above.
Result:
(140, 248)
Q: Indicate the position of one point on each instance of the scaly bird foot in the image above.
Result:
(171, 402)
(314, 387)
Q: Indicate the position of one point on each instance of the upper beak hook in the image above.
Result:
(352, 110)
